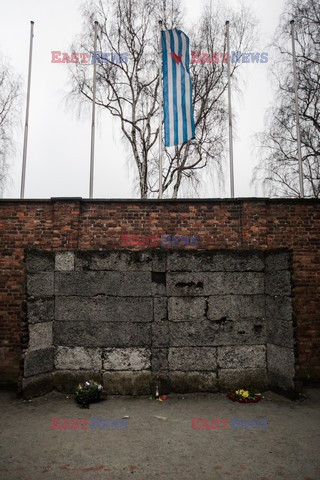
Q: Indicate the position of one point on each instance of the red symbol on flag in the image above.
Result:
(176, 58)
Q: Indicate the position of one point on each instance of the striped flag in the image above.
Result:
(177, 88)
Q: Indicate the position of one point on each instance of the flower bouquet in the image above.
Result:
(88, 392)
(161, 398)
(244, 396)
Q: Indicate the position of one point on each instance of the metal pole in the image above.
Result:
(93, 110)
(297, 110)
(26, 125)
(230, 117)
(160, 113)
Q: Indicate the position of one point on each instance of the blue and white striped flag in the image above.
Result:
(177, 88)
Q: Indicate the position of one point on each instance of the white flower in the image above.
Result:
(88, 383)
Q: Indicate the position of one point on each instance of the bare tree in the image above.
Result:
(278, 168)
(210, 84)
(10, 87)
(129, 90)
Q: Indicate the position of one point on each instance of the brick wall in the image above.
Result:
(75, 224)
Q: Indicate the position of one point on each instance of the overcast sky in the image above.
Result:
(59, 142)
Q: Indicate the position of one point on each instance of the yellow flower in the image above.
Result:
(242, 393)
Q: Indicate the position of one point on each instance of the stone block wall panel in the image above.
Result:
(280, 323)
(187, 321)
(103, 308)
(280, 363)
(126, 359)
(40, 335)
(78, 358)
(38, 361)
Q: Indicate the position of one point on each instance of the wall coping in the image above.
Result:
(165, 200)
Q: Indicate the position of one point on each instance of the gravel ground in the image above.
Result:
(160, 442)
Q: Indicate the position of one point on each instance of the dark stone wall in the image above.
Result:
(190, 321)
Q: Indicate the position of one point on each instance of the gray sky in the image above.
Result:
(59, 142)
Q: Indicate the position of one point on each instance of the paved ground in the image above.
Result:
(160, 448)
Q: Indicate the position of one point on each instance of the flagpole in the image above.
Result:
(160, 113)
(297, 109)
(93, 110)
(230, 116)
(26, 126)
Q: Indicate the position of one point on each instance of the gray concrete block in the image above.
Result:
(251, 331)
(198, 334)
(37, 386)
(160, 313)
(104, 309)
(279, 308)
(244, 262)
(278, 283)
(190, 284)
(40, 335)
(110, 261)
(40, 310)
(281, 366)
(126, 359)
(158, 285)
(159, 261)
(188, 382)
(215, 283)
(193, 358)
(222, 332)
(235, 307)
(255, 379)
(281, 381)
(280, 333)
(38, 361)
(78, 358)
(187, 262)
(127, 383)
(160, 334)
(276, 261)
(187, 309)
(82, 260)
(244, 283)
(64, 262)
(243, 356)
(40, 284)
(119, 261)
(223, 261)
(136, 284)
(39, 261)
(159, 359)
(102, 334)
